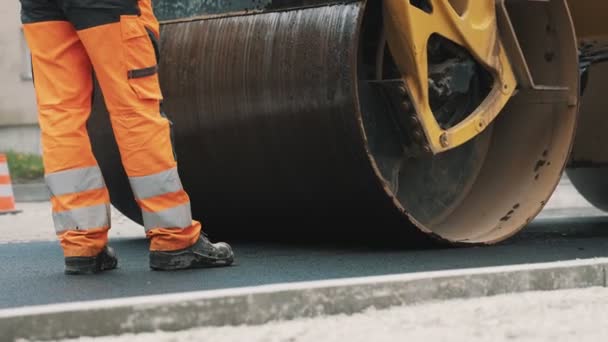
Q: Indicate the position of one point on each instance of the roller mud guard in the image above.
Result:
(294, 124)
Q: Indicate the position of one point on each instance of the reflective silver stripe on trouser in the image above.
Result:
(74, 181)
(82, 218)
(165, 182)
(6, 191)
(3, 169)
(178, 217)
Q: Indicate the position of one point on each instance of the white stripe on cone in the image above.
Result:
(6, 191)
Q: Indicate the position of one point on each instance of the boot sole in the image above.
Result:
(175, 262)
(83, 266)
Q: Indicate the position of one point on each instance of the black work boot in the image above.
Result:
(106, 260)
(200, 255)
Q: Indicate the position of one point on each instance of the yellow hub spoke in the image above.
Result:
(408, 30)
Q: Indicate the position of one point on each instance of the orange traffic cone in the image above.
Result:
(7, 199)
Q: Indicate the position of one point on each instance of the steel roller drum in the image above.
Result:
(588, 165)
(279, 132)
(588, 169)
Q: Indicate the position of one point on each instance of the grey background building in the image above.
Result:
(19, 130)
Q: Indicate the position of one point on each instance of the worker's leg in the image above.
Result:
(63, 82)
(121, 49)
(148, 18)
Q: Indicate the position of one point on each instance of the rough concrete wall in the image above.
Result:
(18, 124)
(17, 101)
(23, 139)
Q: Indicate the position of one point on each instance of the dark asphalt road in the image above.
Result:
(32, 273)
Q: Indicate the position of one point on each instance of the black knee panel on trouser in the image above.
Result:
(36, 11)
(82, 14)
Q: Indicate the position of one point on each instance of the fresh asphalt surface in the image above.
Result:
(32, 273)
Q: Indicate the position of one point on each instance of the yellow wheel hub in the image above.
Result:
(470, 24)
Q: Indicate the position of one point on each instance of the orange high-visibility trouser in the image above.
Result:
(69, 39)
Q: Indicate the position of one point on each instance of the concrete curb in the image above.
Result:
(259, 305)
(31, 192)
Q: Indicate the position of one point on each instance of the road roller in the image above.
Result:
(588, 165)
(407, 121)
